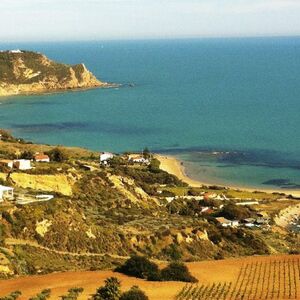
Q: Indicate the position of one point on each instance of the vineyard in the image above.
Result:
(273, 279)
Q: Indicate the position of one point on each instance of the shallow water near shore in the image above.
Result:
(228, 108)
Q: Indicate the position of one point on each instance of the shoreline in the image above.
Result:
(174, 166)
(104, 85)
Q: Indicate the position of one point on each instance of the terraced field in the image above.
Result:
(278, 278)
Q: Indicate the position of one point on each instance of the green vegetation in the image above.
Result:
(43, 295)
(176, 271)
(57, 155)
(142, 267)
(73, 294)
(135, 293)
(110, 290)
(12, 296)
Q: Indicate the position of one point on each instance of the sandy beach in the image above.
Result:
(173, 166)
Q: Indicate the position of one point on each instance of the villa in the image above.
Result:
(105, 157)
(227, 223)
(137, 158)
(22, 164)
(40, 157)
(6, 192)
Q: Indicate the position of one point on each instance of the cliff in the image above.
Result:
(26, 72)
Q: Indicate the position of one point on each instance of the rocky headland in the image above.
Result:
(27, 72)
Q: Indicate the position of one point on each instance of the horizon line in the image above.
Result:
(153, 38)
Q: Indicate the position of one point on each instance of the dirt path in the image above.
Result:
(13, 242)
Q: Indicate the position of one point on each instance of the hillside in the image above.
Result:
(102, 214)
(27, 72)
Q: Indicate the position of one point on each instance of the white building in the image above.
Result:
(40, 157)
(227, 223)
(22, 164)
(7, 163)
(105, 156)
(138, 158)
(6, 192)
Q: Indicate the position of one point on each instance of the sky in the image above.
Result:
(58, 20)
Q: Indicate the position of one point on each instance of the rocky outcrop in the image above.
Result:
(25, 72)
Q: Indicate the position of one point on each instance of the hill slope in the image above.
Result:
(26, 72)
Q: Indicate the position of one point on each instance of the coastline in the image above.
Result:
(104, 85)
(174, 166)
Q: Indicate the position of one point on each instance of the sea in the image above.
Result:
(229, 109)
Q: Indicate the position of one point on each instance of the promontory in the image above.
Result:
(27, 72)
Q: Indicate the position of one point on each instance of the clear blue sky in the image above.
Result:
(22, 20)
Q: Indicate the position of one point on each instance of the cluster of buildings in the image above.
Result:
(248, 222)
(24, 164)
(105, 157)
(6, 192)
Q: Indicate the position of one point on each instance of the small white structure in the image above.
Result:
(247, 203)
(41, 157)
(15, 51)
(227, 223)
(7, 162)
(6, 192)
(105, 156)
(22, 164)
(139, 159)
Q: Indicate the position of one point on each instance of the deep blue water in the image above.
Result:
(190, 98)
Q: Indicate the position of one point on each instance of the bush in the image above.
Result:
(73, 294)
(27, 155)
(135, 293)
(139, 266)
(234, 212)
(12, 296)
(43, 295)
(176, 271)
(57, 155)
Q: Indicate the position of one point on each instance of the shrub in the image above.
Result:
(234, 212)
(135, 293)
(139, 266)
(110, 291)
(27, 154)
(173, 252)
(12, 296)
(43, 295)
(73, 294)
(176, 271)
(57, 155)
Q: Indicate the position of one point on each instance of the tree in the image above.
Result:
(146, 153)
(139, 266)
(177, 271)
(110, 291)
(27, 154)
(135, 293)
(57, 155)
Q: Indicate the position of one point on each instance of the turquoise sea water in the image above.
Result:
(229, 108)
